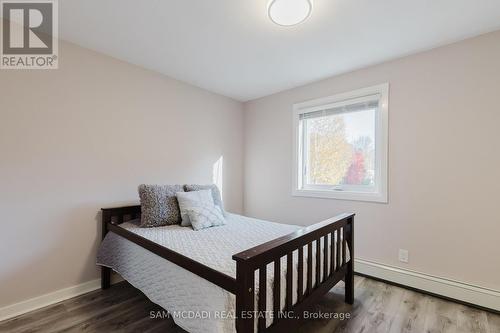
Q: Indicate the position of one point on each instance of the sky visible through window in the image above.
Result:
(360, 124)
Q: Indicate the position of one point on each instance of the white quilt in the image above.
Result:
(187, 296)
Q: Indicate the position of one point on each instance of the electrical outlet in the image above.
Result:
(403, 255)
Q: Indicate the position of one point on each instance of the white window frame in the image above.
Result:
(379, 193)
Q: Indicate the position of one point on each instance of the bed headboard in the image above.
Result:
(118, 215)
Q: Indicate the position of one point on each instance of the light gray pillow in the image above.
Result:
(159, 205)
(205, 217)
(192, 199)
(215, 194)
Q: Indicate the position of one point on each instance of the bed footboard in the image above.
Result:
(332, 258)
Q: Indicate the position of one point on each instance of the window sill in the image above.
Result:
(341, 195)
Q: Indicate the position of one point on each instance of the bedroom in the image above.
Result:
(298, 114)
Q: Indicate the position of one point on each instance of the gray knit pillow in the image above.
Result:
(215, 194)
(159, 205)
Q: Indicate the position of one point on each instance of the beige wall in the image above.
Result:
(84, 136)
(444, 162)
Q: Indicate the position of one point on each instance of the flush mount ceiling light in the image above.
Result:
(289, 12)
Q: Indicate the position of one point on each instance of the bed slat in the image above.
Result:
(300, 272)
(325, 257)
(344, 240)
(338, 249)
(289, 280)
(277, 289)
(318, 261)
(332, 253)
(309, 268)
(262, 298)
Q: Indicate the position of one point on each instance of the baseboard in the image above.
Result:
(470, 294)
(16, 309)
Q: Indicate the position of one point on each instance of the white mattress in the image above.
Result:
(183, 293)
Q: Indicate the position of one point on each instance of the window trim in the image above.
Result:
(381, 158)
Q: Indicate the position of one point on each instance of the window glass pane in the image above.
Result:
(339, 149)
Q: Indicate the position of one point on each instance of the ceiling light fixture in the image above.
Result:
(289, 12)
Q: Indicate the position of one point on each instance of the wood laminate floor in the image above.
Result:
(378, 307)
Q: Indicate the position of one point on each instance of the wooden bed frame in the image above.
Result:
(258, 257)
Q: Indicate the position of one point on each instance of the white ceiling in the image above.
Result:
(231, 47)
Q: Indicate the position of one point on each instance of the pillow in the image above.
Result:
(205, 217)
(215, 194)
(188, 200)
(159, 205)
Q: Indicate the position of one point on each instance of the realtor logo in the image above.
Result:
(29, 34)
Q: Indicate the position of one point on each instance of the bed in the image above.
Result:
(222, 279)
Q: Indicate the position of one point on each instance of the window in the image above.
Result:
(340, 146)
